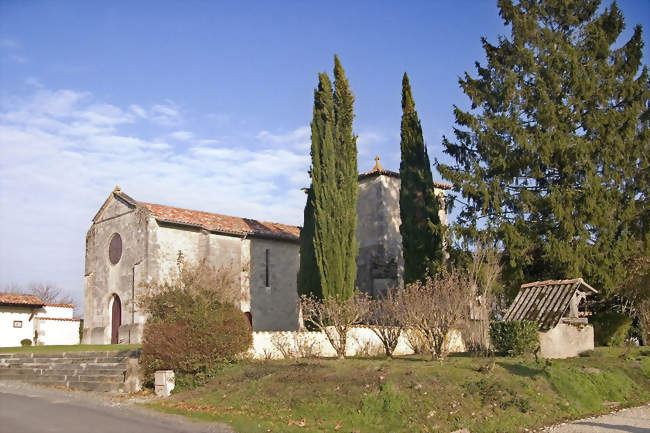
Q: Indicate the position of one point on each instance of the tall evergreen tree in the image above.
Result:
(328, 245)
(347, 176)
(552, 158)
(420, 229)
(308, 277)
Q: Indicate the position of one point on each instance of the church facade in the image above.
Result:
(131, 243)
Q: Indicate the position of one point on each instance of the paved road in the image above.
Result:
(635, 420)
(31, 409)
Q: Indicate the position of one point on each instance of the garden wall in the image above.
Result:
(361, 341)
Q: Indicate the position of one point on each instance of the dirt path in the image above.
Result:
(634, 420)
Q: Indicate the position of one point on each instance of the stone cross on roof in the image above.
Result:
(377, 165)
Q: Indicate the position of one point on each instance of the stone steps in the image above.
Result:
(90, 371)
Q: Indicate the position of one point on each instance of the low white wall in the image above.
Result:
(58, 311)
(53, 331)
(10, 336)
(566, 341)
(361, 341)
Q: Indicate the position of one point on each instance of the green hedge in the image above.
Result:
(514, 338)
(610, 329)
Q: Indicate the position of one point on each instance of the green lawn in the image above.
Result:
(415, 394)
(71, 348)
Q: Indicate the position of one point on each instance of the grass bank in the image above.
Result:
(415, 394)
(70, 348)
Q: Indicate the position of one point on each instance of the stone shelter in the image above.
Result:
(554, 305)
(132, 242)
(28, 317)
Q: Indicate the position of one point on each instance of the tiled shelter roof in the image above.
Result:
(545, 302)
(223, 223)
(378, 170)
(59, 305)
(20, 299)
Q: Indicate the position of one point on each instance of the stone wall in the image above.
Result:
(274, 306)
(566, 340)
(55, 331)
(380, 263)
(103, 279)
(361, 341)
(10, 336)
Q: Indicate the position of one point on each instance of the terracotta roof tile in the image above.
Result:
(378, 170)
(59, 305)
(19, 299)
(223, 223)
(61, 319)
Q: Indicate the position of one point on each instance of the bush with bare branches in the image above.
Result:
(334, 316)
(434, 306)
(383, 318)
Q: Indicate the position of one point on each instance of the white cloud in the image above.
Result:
(298, 139)
(63, 151)
(182, 135)
(18, 58)
(34, 82)
(8, 43)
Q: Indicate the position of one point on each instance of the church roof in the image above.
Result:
(378, 170)
(20, 299)
(223, 223)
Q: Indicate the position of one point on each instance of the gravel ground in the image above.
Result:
(633, 420)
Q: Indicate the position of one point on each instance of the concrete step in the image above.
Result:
(92, 371)
(37, 379)
(97, 386)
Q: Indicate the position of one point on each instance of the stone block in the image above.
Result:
(164, 382)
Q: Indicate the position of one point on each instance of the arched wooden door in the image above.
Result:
(116, 320)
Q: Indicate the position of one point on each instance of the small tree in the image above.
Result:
(434, 306)
(334, 316)
(383, 316)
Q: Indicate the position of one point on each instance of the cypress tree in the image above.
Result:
(328, 245)
(420, 229)
(308, 281)
(347, 174)
(552, 157)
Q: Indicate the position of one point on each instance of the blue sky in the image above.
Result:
(205, 105)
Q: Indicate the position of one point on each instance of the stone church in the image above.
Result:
(131, 242)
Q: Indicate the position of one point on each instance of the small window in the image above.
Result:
(18, 323)
(266, 278)
(115, 248)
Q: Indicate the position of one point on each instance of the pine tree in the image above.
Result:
(420, 229)
(328, 246)
(552, 158)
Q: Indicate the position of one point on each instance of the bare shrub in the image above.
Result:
(434, 306)
(484, 273)
(366, 348)
(634, 298)
(306, 346)
(383, 318)
(285, 345)
(334, 316)
(193, 325)
(415, 340)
